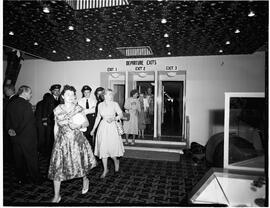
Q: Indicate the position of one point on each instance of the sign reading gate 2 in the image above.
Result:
(140, 65)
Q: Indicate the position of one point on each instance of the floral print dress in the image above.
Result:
(72, 156)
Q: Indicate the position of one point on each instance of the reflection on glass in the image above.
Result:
(247, 130)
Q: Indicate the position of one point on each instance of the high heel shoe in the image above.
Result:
(56, 201)
(85, 190)
(104, 174)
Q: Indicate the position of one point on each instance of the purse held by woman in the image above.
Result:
(119, 127)
(126, 116)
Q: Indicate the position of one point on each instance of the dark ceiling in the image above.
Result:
(193, 27)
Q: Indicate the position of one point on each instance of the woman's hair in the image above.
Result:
(68, 87)
(108, 91)
(99, 89)
(133, 92)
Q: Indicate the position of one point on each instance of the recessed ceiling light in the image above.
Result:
(168, 46)
(110, 55)
(11, 33)
(100, 49)
(87, 40)
(251, 14)
(220, 51)
(70, 27)
(54, 51)
(46, 10)
(237, 31)
(35, 43)
(68, 57)
(163, 21)
(169, 53)
(166, 35)
(228, 42)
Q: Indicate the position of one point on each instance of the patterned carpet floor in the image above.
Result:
(139, 183)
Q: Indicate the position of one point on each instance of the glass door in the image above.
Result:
(144, 82)
(171, 104)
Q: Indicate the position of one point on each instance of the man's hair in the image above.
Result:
(22, 89)
(133, 92)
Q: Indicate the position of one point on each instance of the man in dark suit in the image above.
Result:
(40, 127)
(49, 104)
(9, 92)
(20, 122)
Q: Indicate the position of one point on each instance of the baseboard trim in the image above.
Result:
(157, 142)
(179, 151)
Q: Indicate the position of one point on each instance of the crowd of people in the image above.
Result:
(74, 133)
(140, 107)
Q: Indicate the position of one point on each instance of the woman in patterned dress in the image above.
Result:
(132, 106)
(72, 156)
(108, 141)
(141, 116)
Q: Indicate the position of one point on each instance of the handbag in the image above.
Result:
(126, 116)
(119, 127)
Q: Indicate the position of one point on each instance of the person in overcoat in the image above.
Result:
(9, 96)
(21, 126)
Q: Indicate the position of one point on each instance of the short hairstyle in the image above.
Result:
(99, 89)
(108, 91)
(133, 92)
(68, 87)
(23, 88)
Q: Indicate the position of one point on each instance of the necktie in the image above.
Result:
(87, 104)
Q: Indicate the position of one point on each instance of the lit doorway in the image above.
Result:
(148, 89)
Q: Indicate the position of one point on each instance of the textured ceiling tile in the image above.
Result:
(194, 28)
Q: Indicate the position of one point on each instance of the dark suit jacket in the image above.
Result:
(49, 104)
(6, 102)
(20, 117)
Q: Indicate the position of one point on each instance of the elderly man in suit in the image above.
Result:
(49, 104)
(21, 126)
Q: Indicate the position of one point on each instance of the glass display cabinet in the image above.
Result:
(242, 181)
(244, 131)
(224, 187)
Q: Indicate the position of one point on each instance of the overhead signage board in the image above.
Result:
(141, 65)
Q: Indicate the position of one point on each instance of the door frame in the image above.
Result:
(180, 76)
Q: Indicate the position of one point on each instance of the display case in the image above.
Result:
(242, 181)
(244, 131)
(230, 188)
